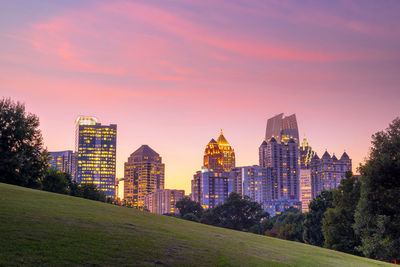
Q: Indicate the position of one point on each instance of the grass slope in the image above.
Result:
(41, 228)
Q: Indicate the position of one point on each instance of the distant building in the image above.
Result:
(252, 181)
(163, 201)
(306, 154)
(119, 189)
(282, 128)
(95, 145)
(211, 188)
(280, 152)
(283, 159)
(64, 161)
(305, 189)
(219, 155)
(275, 207)
(144, 174)
(327, 172)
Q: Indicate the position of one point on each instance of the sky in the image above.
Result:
(172, 74)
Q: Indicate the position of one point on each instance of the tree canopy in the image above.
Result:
(377, 218)
(23, 161)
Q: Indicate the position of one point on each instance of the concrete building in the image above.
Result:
(95, 147)
(211, 188)
(163, 201)
(119, 190)
(327, 171)
(305, 189)
(219, 155)
(64, 161)
(252, 181)
(144, 174)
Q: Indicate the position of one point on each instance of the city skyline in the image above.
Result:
(174, 81)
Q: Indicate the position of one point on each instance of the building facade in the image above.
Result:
(283, 159)
(64, 161)
(252, 181)
(219, 155)
(95, 147)
(163, 201)
(144, 174)
(327, 171)
(305, 189)
(282, 128)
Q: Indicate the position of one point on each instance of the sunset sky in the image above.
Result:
(171, 74)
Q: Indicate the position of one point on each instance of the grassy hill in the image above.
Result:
(41, 228)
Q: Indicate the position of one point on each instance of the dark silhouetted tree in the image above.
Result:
(186, 205)
(57, 182)
(313, 218)
(377, 218)
(337, 225)
(23, 161)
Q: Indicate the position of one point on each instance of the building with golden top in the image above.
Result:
(144, 174)
(95, 148)
(219, 155)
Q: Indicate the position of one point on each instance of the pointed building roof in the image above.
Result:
(334, 157)
(326, 155)
(264, 143)
(315, 156)
(272, 140)
(344, 156)
(145, 150)
(305, 143)
(222, 140)
(212, 141)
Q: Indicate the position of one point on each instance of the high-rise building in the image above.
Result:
(252, 181)
(211, 188)
(95, 146)
(119, 189)
(283, 159)
(327, 172)
(282, 128)
(306, 154)
(144, 174)
(163, 201)
(64, 161)
(219, 155)
(305, 189)
(280, 152)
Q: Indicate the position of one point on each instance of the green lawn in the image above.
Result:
(41, 228)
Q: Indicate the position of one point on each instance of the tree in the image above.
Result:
(57, 182)
(377, 218)
(236, 213)
(23, 161)
(287, 225)
(313, 219)
(337, 225)
(187, 205)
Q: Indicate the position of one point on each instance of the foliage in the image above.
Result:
(187, 205)
(191, 217)
(287, 225)
(23, 161)
(57, 182)
(313, 219)
(337, 225)
(377, 218)
(236, 213)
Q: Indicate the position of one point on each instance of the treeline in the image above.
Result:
(360, 217)
(24, 161)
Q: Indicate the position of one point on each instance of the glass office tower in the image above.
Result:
(95, 146)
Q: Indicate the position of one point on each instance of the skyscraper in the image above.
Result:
(306, 154)
(95, 145)
(219, 155)
(64, 161)
(283, 159)
(282, 128)
(144, 174)
(212, 185)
